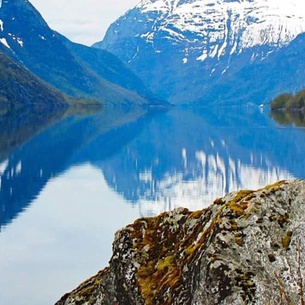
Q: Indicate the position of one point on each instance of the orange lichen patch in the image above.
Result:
(167, 235)
(281, 219)
(91, 285)
(170, 276)
(193, 244)
(175, 240)
(213, 258)
(272, 188)
(243, 203)
(191, 249)
(275, 186)
(154, 285)
(238, 205)
(160, 238)
(196, 214)
(286, 240)
(141, 228)
(239, 240)
(218, 201)
(244, 194)
(234, 225)
(156, 277)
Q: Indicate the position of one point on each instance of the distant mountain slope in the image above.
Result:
(108, 66)
(19, 86)
(259, 81)
(181, 49)
(61, 63)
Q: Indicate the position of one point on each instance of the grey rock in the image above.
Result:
(246, 248)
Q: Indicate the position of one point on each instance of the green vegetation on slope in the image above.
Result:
(288, 109)
(296, 118)
(19, 86)
(287, 101)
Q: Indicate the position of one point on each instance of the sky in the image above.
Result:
(82, 21)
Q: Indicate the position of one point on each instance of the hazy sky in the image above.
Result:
(83, 21)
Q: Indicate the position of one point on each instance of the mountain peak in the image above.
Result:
(184, 49)
(17, 12)
(77, 70)
(223, 26)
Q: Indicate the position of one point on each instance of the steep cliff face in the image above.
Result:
(246, 248)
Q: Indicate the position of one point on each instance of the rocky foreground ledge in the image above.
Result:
(246, 248)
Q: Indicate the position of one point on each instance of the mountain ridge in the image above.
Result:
(27, 38)
(216, 28)
(188, 46)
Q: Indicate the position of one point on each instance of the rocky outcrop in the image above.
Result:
(246, 248)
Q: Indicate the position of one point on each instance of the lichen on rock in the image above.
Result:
(246, 248)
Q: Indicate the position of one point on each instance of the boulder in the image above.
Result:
(246, 248)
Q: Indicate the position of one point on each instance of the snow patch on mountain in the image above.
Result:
(213, 28)
(4, 42)
(1, 26)
(19, 41)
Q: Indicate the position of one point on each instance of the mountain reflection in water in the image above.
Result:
(44, 144)
(190, 157)
(159, 161)
(69, 180)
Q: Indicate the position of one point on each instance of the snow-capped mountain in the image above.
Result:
(215, 28)
(165, 41)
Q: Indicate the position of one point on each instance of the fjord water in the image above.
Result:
(69, 180)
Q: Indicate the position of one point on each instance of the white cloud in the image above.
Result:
(82, 21)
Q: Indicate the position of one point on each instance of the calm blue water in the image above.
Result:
(69, 181)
